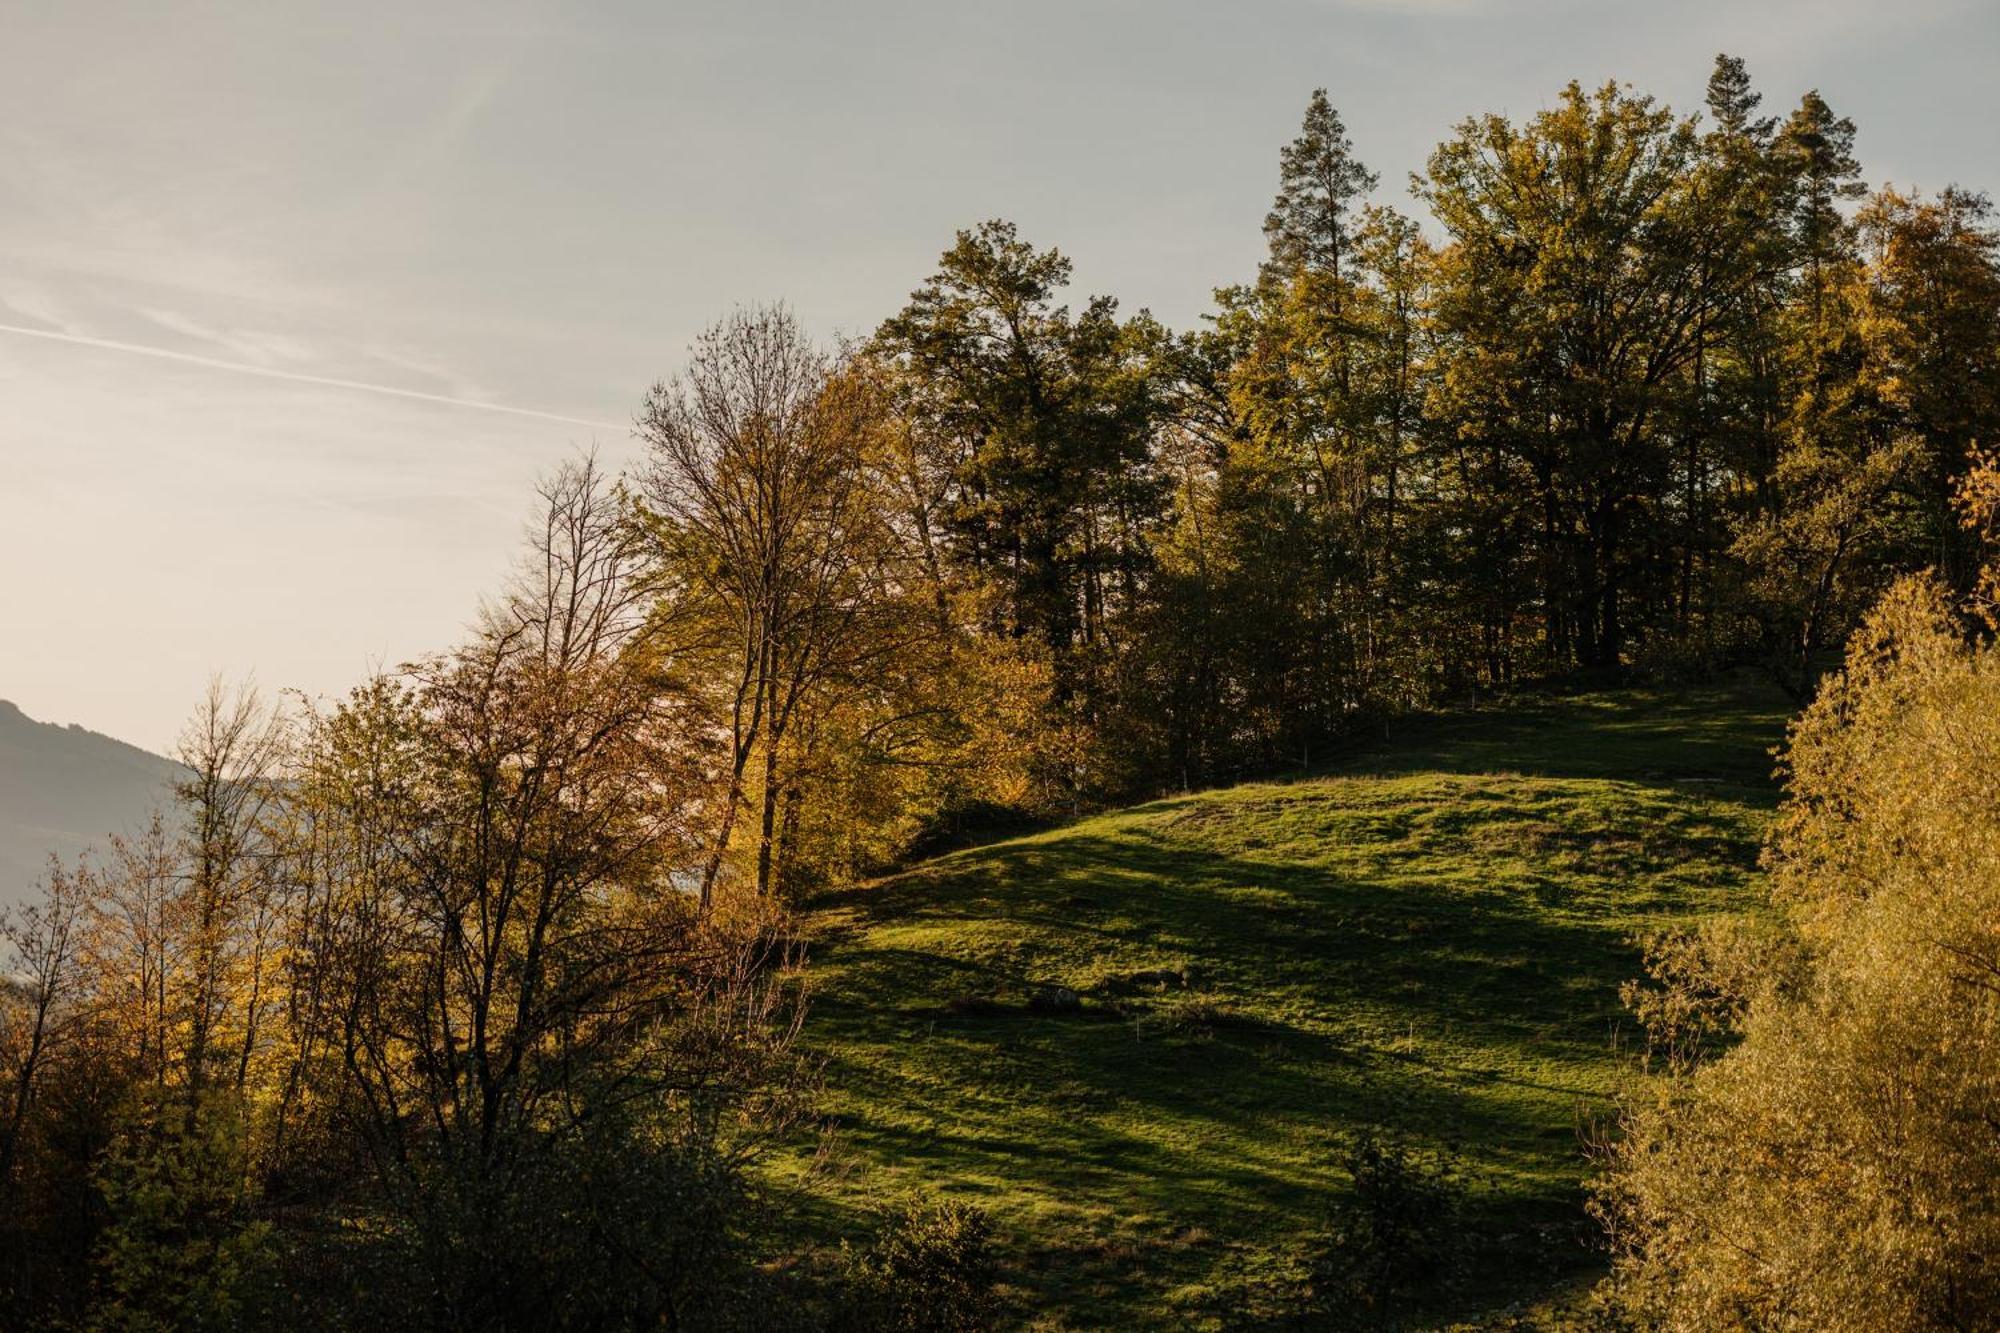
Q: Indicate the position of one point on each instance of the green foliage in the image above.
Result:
(617, 1229)
(1318, 183)
(181, 1240)
(1597, 204)
(1658, 402)
(929, 1269)
(1041, 421)
(1817, 150)
(1393, 1241)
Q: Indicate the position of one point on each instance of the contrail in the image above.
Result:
(327, 381)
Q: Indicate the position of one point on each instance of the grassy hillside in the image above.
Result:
(1430, 936)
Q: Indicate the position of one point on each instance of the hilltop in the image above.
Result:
(1140, 1040)
(62, 789)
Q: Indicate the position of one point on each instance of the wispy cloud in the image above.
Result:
(299, 377)
(270, 351)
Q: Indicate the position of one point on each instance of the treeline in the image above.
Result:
(1652, 393)
(466, 999)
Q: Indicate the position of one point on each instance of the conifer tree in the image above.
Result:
(1319, 182)
(1732, 101)
(1817, 149)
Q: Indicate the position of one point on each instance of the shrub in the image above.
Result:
(1391, 1240)
(179, 1241)
(930, 1269)
(1837, 1166)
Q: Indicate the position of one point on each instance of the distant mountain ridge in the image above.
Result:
(63, 789)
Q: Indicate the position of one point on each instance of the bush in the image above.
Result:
(179, 1241)
(1393, 1239)
(1837, 1166)
(930, 1269)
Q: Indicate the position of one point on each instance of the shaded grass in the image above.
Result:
(1141, 1040)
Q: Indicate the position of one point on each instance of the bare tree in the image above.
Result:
(494, 951)
(40, 981)
(137, 946)
(509, 906)
(233, 750)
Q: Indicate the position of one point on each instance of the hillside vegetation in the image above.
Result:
(464, 1000)
(1141, 1040)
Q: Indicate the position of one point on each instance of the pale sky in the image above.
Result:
(536, 206)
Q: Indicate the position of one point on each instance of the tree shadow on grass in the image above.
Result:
(1441, 958)
(1263, 930)
(1478, 1020)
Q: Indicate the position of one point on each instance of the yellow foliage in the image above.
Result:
(1840, 1168)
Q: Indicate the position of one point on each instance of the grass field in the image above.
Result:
(1429, 936)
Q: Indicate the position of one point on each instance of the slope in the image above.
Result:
(1140, 1040)
(63, 789)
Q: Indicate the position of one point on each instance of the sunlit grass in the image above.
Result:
(1430, 935)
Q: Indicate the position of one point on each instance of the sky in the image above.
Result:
(297, 300)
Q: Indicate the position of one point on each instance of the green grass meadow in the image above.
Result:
(1428, 936)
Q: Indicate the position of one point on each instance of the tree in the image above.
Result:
(1043, 420)
(41, 979)
(1319, 181)
(1589, 261)
(1732, 101)
(1934, 331)
(1295, 543)
(1835, 1167)
(1884, 372)
(1816, 148)
(231, 751)
(769, 557)
(515, 983)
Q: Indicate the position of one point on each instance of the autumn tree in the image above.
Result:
(232, 752)
(1589, 260)
(1934, 328)
(1042, 420)
(1834, 1169)
(780, 584)
(527, 1023)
